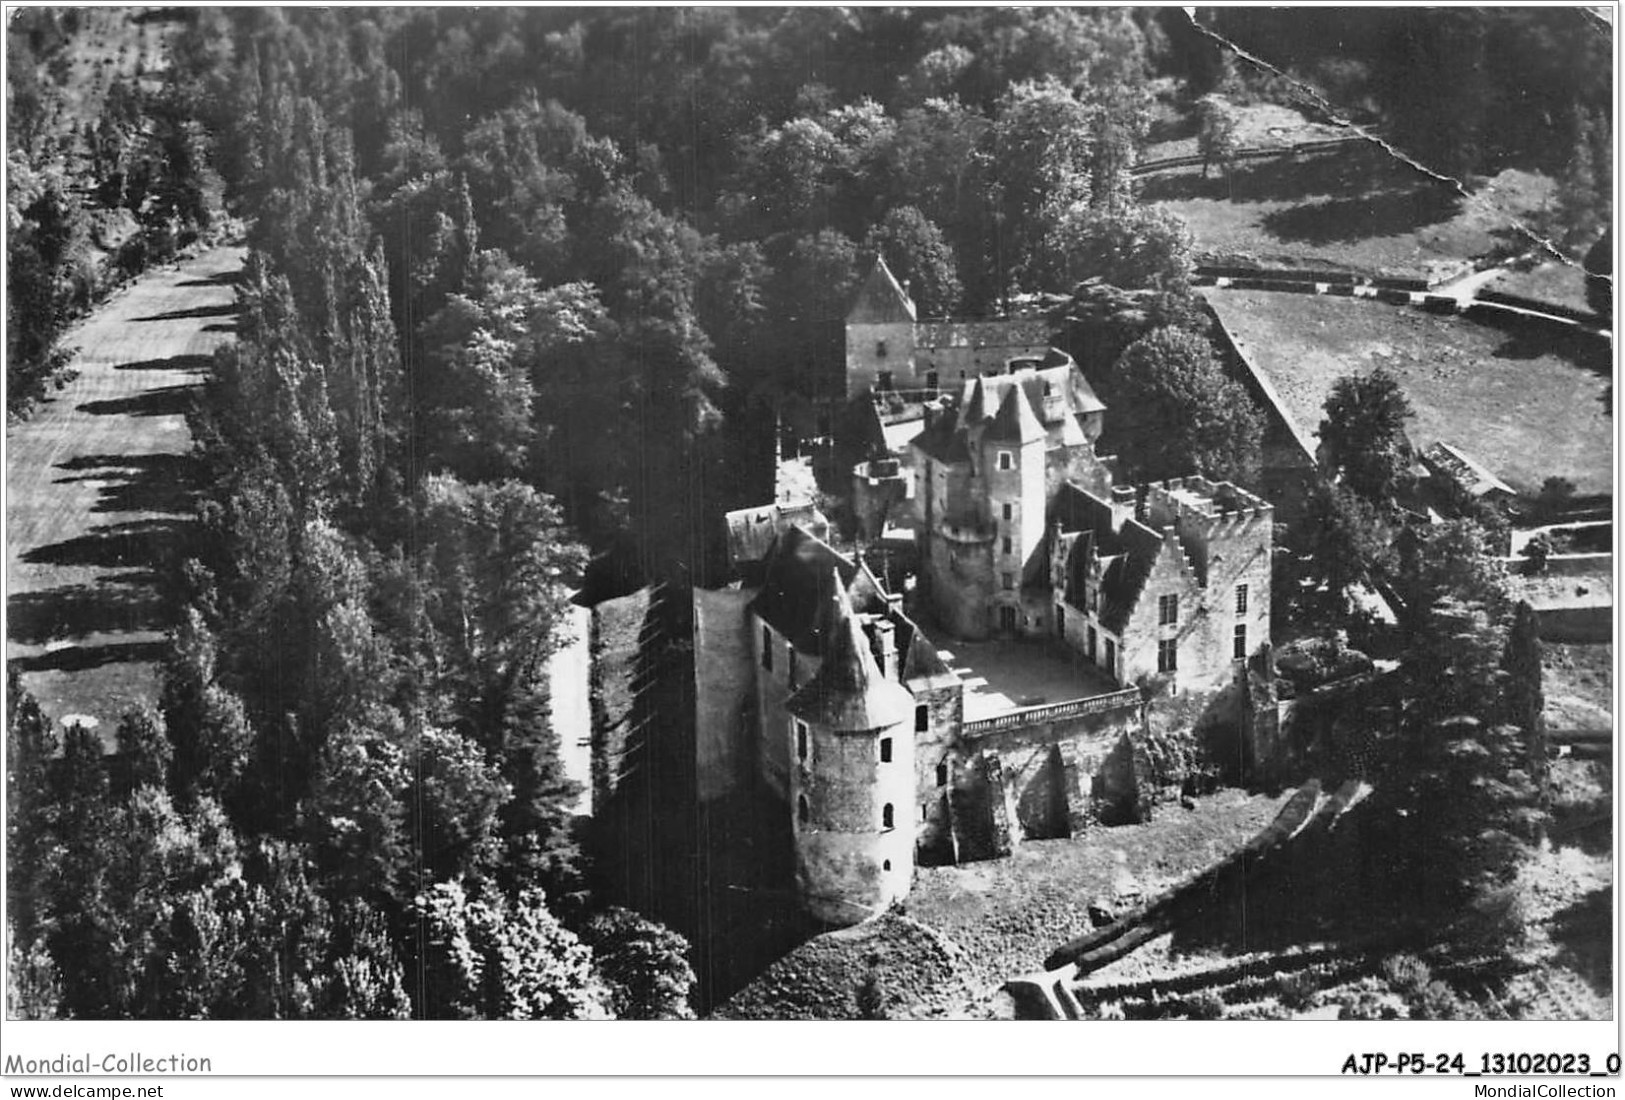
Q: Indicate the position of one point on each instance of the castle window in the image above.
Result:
(801, 808)
(887, 817)
(1009, 510)
(1009, 582)
(1240, 652)
(922, 718)
(1007, 461)
(801, 741)
(1009, 547)
(1060, 619)
(885, 865)
(790, 651)
(767, 648)
(883, 382)
(880, 349)
(1168, 655)
(942, 777)
(1089, 644)
(1111, 656)
(1241, 599)
(931, 380)
(1168, 610)
(885, 750)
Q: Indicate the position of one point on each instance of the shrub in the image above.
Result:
(1206, 1005)
(1436, 1001)
(1366, 1006)
(1298, 992)
(1406, 974)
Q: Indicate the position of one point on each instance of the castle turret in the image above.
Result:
(880, 335)
(851, 778)
(1013, 456)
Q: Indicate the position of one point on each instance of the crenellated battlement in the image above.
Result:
(1213, 506)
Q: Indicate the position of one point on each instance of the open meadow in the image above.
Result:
(99, 493)
(1528, 408)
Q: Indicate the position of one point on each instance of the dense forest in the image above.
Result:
(526, 291)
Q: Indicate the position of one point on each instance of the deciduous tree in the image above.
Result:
(1362, 435)
(1181, 413)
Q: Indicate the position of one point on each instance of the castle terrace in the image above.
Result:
(1005, 676)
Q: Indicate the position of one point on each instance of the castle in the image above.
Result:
(817, 684)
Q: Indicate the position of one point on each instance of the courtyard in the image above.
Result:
(1001, 676)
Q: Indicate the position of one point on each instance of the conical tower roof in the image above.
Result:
(1015, 421)
(882, 300)
(976, 409)
(849, 692)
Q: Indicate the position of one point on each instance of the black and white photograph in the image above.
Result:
(675, 513)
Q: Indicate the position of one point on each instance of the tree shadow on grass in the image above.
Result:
(80, 658)
(143, 544)
(174, 400)
(174, 362)
(224, 278)
(1324, 888)
(1529, 338)
(80, 610)
(1354, 171)
(1386, 214)
(227, 310)
(139, 483)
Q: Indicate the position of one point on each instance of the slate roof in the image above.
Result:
(796, 588)
(1464, 470)
(920, 658)
(881, 300)
(1125, 575)
(1126, 556)
(848, 692)
(943, 440)
(751, 532)
(1064, 381)
(1015, 421)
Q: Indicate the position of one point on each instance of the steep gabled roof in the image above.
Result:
(977, 408)
(882, 300)
(942, 440)
(1016, 421)
(1125, 575)
(796, 587)
(848, 692)
(920, 658)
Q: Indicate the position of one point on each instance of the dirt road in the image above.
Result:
(99, 493)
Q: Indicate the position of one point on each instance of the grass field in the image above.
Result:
(1258, 126)
(99, 493)
(1364, 211)
(1559, 283)
(1527, 407)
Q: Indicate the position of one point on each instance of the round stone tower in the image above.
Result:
(852, 773)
